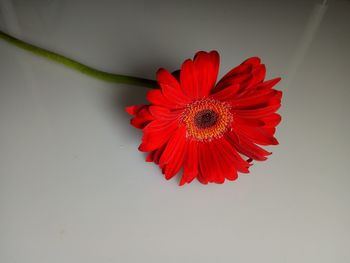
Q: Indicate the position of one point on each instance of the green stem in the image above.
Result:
(98, 74)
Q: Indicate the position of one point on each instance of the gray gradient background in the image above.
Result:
(74, 188)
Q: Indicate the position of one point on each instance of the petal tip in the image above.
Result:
(130, 110)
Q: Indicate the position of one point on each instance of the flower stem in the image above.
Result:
(98, 74)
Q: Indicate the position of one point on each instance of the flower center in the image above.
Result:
(206, 119)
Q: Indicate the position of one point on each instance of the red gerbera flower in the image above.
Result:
(207, 128)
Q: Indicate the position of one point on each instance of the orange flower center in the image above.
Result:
(206, 119)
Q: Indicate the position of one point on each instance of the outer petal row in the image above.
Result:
(198, 77)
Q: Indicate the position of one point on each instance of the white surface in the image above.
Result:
(74, 188)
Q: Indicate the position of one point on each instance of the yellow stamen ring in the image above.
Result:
(206, 119)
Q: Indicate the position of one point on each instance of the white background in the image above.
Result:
(74, 188)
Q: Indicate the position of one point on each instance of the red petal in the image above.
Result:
(268, 84)
(246, 147)
(218, 160)
(190, 163)
(269, 130)
(245, 67)
(173, 155)
(249, 81)
(253, 61)
(206, 166)
(249, 122)
(156, 97)
(219, 164)
(164, 113)
(202, 179)
(257, 135)
(257, 113)
(240, 74)
(158, 153)
(272, 121)
(164, 77)
(260, 88)
(133, 110)
(235, 161)
(156, 133)
(207, 66)
(139, 123)
(189, 80)
(227, 94)
(150, 157)
(143, 117)
(240, 80)
(259, 74)
(258, 100)
(171, 88)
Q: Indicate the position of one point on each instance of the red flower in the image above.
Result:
(207, 128)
